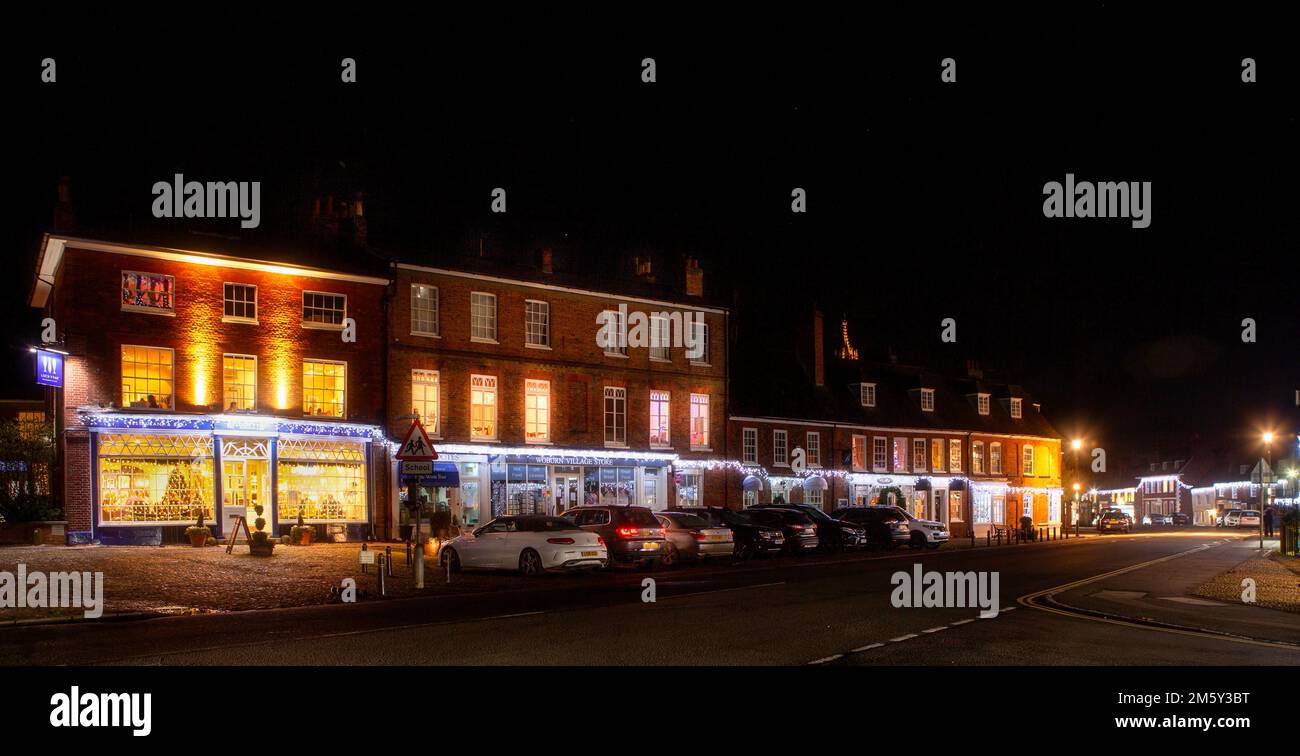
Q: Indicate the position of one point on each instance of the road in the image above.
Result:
(785, 612)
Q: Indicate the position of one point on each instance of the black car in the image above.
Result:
(632, 534)
(885, 526)
(1182, 518)
(751, 538)
(833, 534)
(798, 528)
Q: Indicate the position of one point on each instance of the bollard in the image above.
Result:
(448, 563)
(363, 564)
(379, 572)
(408, 553)
(972, 537)
(388, 559)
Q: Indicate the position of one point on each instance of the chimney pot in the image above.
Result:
(548, 260)
(694, 278)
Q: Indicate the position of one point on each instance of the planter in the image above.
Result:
(301, 535)
(52, 532)
(198, 540)
(262, 549)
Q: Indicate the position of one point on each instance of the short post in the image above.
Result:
(447, 561)
(988, 536)
(363, 564)
(379, 571)
(388, 559)
(408, 553)
(972, 536)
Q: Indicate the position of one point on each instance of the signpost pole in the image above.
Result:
(412, 495)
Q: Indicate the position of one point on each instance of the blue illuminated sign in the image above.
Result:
(49, 368)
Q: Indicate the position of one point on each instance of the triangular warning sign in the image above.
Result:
(416, 446)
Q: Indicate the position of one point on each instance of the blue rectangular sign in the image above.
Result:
(49, 368)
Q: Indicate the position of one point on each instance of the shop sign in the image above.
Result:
(49, 368)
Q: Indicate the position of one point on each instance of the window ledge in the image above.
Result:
(243, 321)
(667, 360)
(484, 440)
(617, 355)
(149, 311)
(609, 445)
(546, 347)
(321, 326)
(481, 340)
(710, 448)
(426, 335)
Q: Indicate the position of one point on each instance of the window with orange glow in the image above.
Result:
(147, 377)
(239, 382)
(324, 388)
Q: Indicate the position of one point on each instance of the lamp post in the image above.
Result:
(1075, 446)
(1264, 474)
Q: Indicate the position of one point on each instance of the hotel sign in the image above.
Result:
(49, 368)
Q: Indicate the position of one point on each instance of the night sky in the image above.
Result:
(924, 199)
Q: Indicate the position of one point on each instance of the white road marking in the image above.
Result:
(860, 649)
(962, 622)
(902, 638)
(935, 629)
(825, 659)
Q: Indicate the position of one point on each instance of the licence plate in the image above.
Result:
(591, 553)
(715, 538)
(650, 546)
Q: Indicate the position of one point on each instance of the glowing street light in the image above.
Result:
(1076, 444)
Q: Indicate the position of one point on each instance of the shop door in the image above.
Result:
(566, 493)
(246, 482)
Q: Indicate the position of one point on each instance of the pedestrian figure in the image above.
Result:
(1268, 522)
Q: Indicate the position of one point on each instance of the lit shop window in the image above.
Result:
(880, 453)
(424, 310)
(1027, 460)
(482, 316)
(859, 452)
(813, 496)
(31, 425)
(147, 380)
(689, 483)
(659, 419)
(749, 446)
(424, 398)
(483, 406)
(537, 323)
(977, 458)
(982, 506)
(814, 442)
(780, 448)
(936, 455)
(699, 351)
(615, 416)
(239, 382)
(323, 310)
(537, 411)
(324, 480)
(918, 455)
(324, 388)
(900, 454)
(660, 338)
(154, 477)
(148, 292)
(1015, 408)
(927, 400)
(995, 458)
(699, 421)
(239, 303)
(954, 455)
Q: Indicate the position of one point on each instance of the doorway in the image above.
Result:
(245, 483)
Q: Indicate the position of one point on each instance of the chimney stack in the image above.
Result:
(819, 357)
(694, 278)
(65, 218)
(358, 219)
(642, 267)
(548, 260)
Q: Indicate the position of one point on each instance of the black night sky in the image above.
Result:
(924, 199)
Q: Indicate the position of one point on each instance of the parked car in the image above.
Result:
(930, 533)
(693, 538)
(1182, 519)
(530, 544)
(1230, 518)
(1114, 520)
(751, 539)
(798, 528)
(1157, 518)
(632, 534)
(833, 534)
(1249, 518)
(885, 526)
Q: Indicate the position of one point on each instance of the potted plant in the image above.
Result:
(259, 542)
(198, 534)
(301, 534)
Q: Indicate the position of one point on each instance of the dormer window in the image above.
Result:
(927, 400)
(867, 392)
(982, 403)
(1015, 408)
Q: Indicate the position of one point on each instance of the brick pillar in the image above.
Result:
(77, 493)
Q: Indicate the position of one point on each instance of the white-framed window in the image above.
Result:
(936, 455)
(615, 330)
(1028, 506)
(927, 400)
(424, 398)
(699, 354)
(859, 453)
(879, 453)
(781, 448)
(900, 454)
(660, 339)
(615, 416)
(324, 388)
(321, 309)
(148, 292)
(867, 394)
(1016, 410)
(918, 455)
(537, 323)
(982, 402)
(148, 377)
(749, 446)
(239, 382)
(1027, 460)
(995, 458)
(482, 316)
(424, 310)
(660, 419)
(814, 443)
(537, 411)
(483, 406)
(238, 303)
(699, 421)
(977, 457)
(813, 496)
(954, 455)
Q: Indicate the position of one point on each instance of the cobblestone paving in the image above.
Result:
(1277, 583)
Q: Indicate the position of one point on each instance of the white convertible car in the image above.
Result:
(530, 544)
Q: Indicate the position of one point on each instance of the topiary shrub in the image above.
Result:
(198, 533)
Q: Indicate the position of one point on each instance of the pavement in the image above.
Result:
(825, 611)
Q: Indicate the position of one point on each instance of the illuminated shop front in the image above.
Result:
(496, 481)
(154, 473)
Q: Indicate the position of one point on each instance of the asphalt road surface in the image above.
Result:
(1061, 603)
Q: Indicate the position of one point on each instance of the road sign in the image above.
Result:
(417, 467)
(416, 445)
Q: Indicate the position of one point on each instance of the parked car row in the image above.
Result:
(1239, 518)
(598, 537)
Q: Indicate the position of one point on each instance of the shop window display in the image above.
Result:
(154, 478)
(325, 480)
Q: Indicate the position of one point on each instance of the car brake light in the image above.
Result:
(627, 532)
(562, 541)
(600, 540)
(698, 535)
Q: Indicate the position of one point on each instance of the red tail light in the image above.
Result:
(628, 532)
(600, 540)
(698, 535)
(561, 541)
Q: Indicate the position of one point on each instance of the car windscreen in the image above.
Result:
(640, 517)
(815, 514)
(545, 524)
(1250, 513)
(689, 521)
(736, 518)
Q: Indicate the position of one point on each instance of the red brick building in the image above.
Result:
(504, 367)
(199, 380)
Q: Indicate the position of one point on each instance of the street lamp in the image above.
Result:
(1075, 446)
(1265, 473)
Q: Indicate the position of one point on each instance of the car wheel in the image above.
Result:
(742, 552)
(450, 559)
(530, 563)
(918, 541)
(670, 555)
